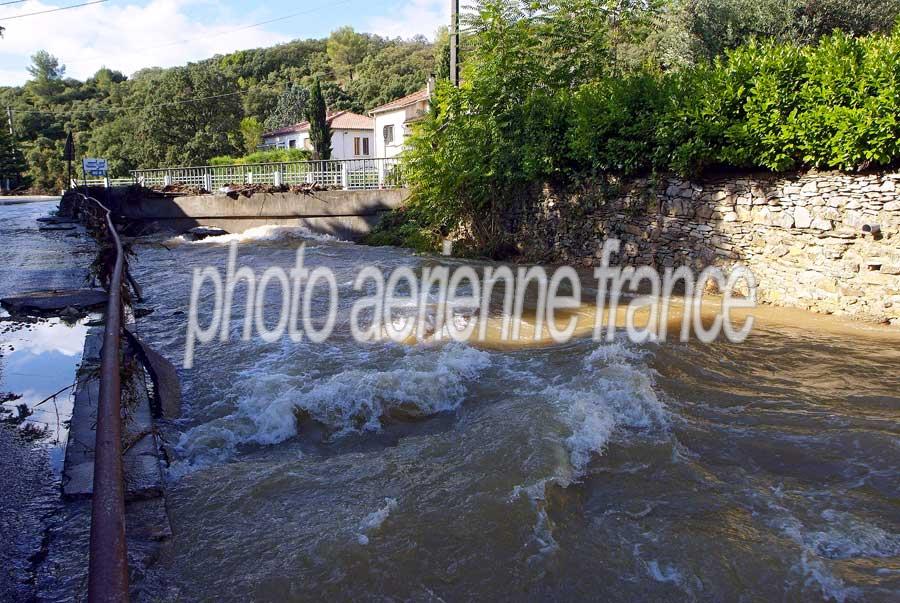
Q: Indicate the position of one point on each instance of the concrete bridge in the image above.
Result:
(348, 214)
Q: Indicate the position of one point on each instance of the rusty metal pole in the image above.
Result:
(108, 572)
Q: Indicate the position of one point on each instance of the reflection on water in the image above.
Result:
(581, 471)
(38, 363)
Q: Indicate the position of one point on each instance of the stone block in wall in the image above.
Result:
(802, 218)
(821, 224)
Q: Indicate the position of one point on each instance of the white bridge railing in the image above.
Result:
(347, 174)
(104, 182)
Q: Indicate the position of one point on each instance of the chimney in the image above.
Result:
(430, 85)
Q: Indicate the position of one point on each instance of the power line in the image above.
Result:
(51, 10)
(13, 2)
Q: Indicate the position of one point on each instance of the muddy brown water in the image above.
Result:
(760, 471)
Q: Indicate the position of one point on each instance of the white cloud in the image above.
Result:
(411, 18)
(161, 33)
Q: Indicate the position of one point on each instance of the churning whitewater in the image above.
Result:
(445, 471)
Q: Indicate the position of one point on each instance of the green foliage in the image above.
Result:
(527, 114)
(614, 122)
(291, 108)
(780, 106)
(692, 31)
(171, 134)
(269, 156)
(251, 133)
(46, 167)
(12, 162)
(47, 75)
(319, 129)
(400, 229)
(346, 49)
(133, 123)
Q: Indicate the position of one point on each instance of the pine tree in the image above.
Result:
(319, 130)
(291, 108)
(12, 162)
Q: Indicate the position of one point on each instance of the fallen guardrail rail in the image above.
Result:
(108, 568)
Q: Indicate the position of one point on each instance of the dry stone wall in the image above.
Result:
(827, 242)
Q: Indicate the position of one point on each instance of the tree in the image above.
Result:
(441, 52)
(291, 108)
(346, 49)
(319, 129)
(397, 69)
(199, 119)
(47, 75)
(251, 133)
(47, 168)
(12, 162)
(690, 31)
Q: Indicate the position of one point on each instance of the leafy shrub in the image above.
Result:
(515, 124)
(270, 156)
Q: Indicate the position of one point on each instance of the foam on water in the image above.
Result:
(613, 395)
(846, 536)
(373, 520)
(258, 234)
(419, 382)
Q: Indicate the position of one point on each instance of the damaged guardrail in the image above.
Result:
(108, 570)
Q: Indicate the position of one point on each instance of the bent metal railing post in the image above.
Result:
(108, 570)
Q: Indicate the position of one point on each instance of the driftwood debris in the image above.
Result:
(240, 190)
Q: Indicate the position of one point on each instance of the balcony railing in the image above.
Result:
(346, 174)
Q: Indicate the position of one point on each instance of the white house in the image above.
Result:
(352, 136)
(392, 121)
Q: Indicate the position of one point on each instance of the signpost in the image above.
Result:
(69, 156)
(93, 166)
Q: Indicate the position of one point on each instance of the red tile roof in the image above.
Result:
(340, 120)
(404, 101)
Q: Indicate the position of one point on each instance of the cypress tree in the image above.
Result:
(319, 130)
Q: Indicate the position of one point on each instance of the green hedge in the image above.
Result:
(835, 104)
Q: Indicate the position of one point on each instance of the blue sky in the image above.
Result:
(130, 34)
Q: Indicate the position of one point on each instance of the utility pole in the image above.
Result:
(454, 42)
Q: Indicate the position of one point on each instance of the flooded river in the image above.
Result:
(767, 470)
(761, 471)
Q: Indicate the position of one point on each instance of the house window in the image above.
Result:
(360, 146)
(292, 144)
(388, 134)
